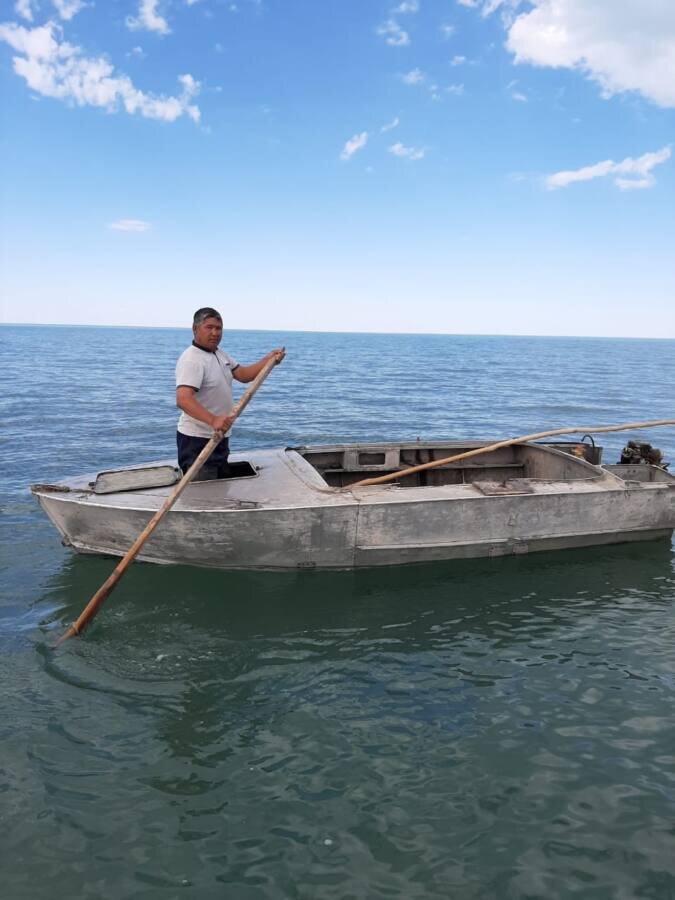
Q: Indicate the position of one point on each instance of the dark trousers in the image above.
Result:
(189, 449)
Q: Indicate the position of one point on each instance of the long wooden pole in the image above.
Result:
(106, 588)
(392, 476)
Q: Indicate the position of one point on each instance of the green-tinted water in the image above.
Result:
(482, 729)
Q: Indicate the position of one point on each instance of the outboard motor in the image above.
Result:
(636, 453)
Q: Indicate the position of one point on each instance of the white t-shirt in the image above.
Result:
(210, 374)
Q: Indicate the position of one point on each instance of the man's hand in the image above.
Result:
(222, 423)
(248, 373)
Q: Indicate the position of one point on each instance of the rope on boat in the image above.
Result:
(479, 451)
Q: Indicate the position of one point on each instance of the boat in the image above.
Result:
(300, 507)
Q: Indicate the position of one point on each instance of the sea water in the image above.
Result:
(477, 729)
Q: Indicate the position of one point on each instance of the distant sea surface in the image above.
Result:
(480, 729)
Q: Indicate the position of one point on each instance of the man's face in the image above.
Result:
(209, 333)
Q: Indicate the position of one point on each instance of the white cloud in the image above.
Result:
(24, 8)
(520, 97)
(447, 31)
(489, 6)
(623, 45)
(417, 78)
(406, 6)
(395, 122)
(129, 225)
(353, 144)
(639, 171)
(458, 60)
(138, 52)
(148, 18)
(393, 34)
(411, 153)
(414, 76)
(57, 69)
(68, 8)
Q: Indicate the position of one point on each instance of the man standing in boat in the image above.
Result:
(204, 393)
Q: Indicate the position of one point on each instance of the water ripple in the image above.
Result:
(485, 729)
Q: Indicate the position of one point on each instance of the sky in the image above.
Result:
(443, 166)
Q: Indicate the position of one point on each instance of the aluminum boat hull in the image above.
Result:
(292, 514)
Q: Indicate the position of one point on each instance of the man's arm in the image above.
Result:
(248, 373)
(186, 400)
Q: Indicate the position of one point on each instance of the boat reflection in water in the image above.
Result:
(245, 605)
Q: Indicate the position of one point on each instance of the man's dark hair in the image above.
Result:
(206, 312)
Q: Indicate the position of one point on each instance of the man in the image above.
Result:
(204, 393)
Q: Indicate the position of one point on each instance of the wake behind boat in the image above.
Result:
(297, 508)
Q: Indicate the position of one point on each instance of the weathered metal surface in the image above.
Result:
(135, 479)
(292, 514)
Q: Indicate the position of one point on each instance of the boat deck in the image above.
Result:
(311, 477)
(291, 508)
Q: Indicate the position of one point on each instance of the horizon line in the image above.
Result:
(320, 331)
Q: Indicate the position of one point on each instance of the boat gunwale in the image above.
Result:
(299, 467)
(395, 495)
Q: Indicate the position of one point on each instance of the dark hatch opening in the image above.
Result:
(241, 469)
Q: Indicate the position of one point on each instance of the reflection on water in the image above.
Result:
(479, 729)
(375, 733)
(247, 605)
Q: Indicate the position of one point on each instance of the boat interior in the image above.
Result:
(341, 466)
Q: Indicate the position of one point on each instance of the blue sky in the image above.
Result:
(463, 166)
